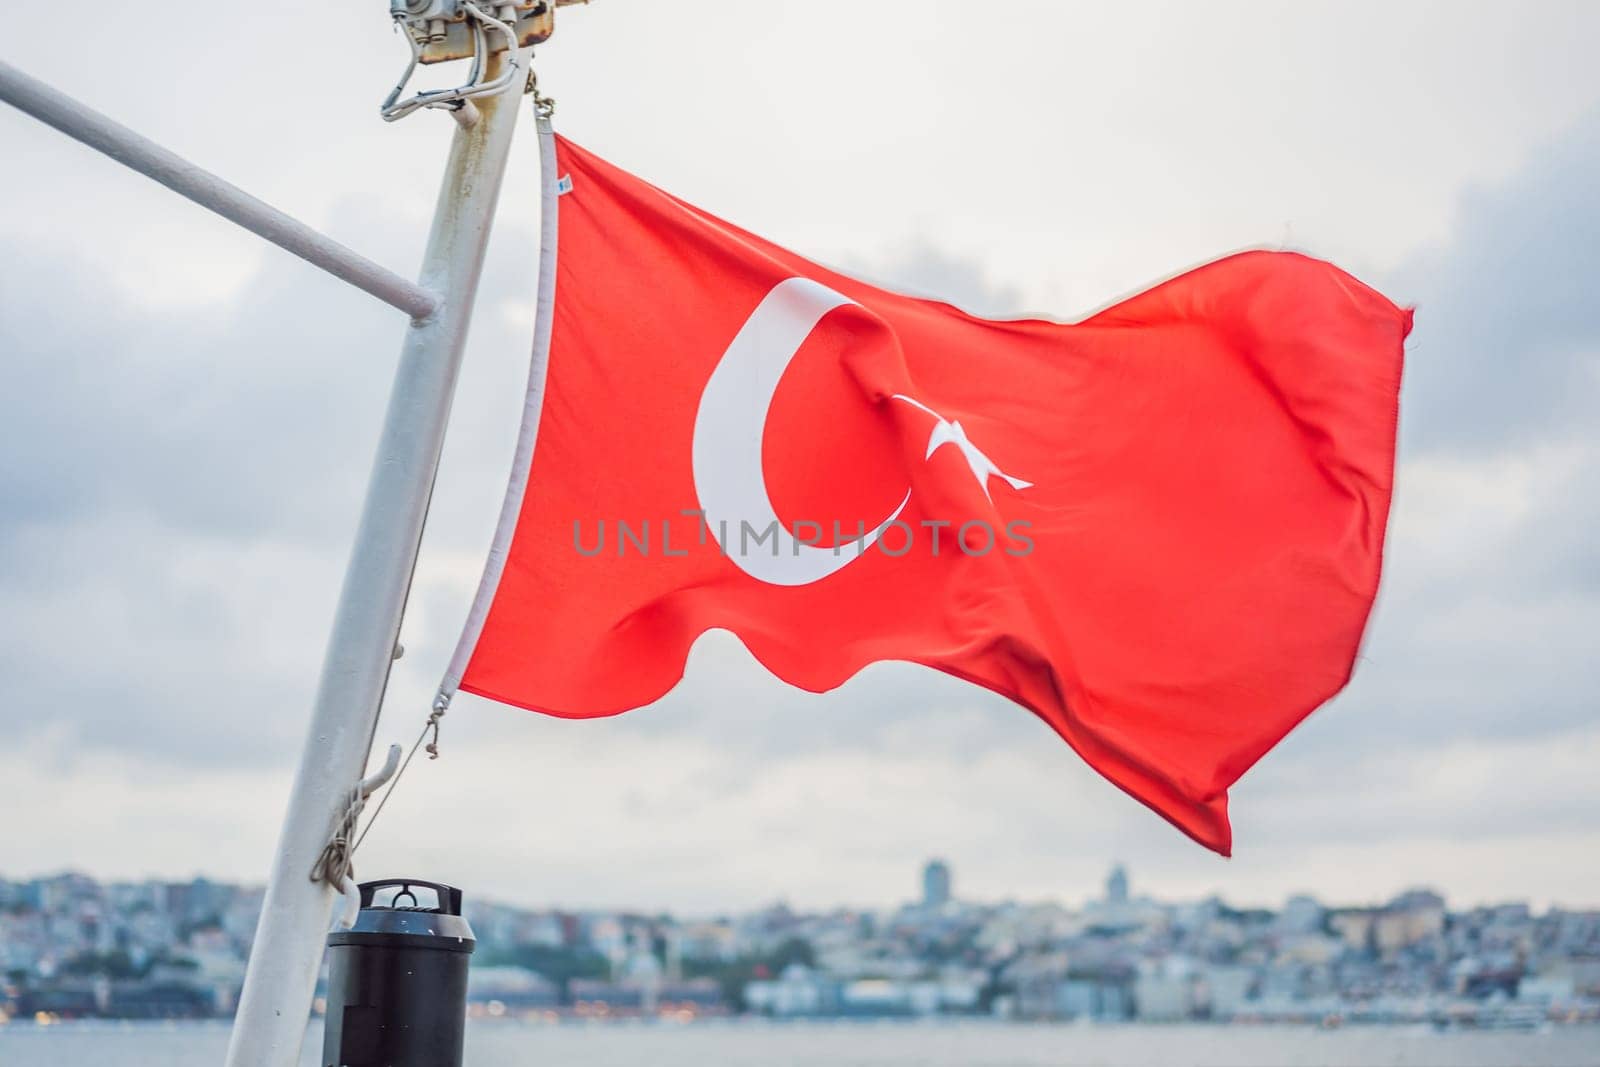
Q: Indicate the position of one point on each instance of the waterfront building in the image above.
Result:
(936, 884)
(515, 989)
(1117, 885)
(796, 993)
(1302, 914)
(1163, 997)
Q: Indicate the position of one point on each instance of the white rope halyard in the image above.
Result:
(550, 190)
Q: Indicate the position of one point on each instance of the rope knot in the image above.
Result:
(336, 862)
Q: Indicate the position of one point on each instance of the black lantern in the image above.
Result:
(397, 979)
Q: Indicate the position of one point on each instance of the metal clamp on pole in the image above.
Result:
(441, 30)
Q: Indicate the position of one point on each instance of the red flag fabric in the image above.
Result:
(1158, 529)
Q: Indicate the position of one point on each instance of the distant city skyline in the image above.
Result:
(71, 947)
(1115, 883)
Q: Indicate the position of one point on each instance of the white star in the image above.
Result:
(946, 432)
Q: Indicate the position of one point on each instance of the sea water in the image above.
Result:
(832, 1044)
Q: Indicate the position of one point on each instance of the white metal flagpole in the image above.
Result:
(278, 988)
(88, 126)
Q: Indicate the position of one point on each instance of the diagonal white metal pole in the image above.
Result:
(84, 124)
(276, 1003)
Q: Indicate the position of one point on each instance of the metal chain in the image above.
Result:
(441, 704)
(543, 106)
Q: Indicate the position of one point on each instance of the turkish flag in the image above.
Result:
(1158, 529)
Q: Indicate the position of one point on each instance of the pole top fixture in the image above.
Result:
(442, 29)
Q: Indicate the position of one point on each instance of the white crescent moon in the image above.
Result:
(728, 429)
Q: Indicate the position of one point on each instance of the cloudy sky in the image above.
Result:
(190, 416)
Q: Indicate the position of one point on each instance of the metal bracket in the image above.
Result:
(441, 30)
(482, 26)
